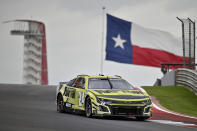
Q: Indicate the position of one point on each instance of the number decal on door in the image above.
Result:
(81, 98)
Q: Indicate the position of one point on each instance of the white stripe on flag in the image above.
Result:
(155, 39)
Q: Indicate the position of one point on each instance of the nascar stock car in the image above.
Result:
(103, 96)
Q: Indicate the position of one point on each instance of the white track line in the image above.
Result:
(168, 122)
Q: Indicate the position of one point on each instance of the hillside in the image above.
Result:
(175, 98)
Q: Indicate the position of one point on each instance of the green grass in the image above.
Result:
(175, 98)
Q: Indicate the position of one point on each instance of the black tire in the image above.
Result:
(88, 108)
(141, 118)
(60, 104)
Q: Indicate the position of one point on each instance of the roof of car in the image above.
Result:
(99, 76)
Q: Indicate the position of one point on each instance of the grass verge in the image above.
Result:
(175, 98)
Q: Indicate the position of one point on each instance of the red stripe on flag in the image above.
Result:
(153, 57)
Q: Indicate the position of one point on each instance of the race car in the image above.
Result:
(103, 96)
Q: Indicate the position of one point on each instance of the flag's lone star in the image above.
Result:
(118, 41)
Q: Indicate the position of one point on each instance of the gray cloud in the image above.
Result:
(180, 5)
(73, 29)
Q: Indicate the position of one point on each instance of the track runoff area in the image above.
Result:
(30, 107)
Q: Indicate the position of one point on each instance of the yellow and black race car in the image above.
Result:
(103, 96)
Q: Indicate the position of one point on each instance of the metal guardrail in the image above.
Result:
(187, 78)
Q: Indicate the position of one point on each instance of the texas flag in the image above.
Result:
(130, 43)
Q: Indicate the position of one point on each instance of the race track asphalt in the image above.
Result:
(32, 108)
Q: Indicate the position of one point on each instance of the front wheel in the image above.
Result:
(88, 108)
(60, 104)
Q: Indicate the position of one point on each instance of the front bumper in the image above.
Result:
(123, 110)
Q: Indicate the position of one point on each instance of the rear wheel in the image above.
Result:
(60, 104)
(88, 108)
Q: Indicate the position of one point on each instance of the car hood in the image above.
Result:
(120, 94)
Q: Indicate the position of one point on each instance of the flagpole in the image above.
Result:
(102, 44)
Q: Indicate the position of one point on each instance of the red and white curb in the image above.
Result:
(165, 116)
(175, 123)
(158, 107)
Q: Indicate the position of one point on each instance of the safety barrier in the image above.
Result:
(187, 78)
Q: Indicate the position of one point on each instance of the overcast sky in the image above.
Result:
(74, 35)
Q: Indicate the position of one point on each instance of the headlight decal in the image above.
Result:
(105, 101)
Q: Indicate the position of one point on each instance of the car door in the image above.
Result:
(80, 94)
(75, 94)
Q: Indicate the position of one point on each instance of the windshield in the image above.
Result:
(105, 83)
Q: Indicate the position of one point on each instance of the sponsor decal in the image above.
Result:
(81, 98)
(68, 105)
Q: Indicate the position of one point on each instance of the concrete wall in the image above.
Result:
(169, 79)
